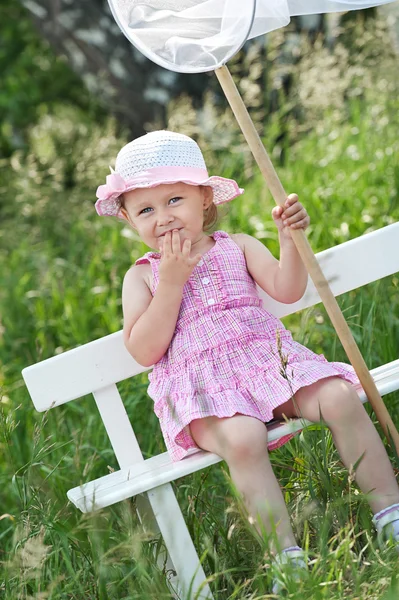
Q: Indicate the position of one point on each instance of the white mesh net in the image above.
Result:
(193, 36)
(186, 35)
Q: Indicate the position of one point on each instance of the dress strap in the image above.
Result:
(153, 259)
(148, 257)
(217, 235)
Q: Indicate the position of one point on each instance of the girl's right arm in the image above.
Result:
(149, 321)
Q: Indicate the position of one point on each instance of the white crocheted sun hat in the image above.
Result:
(160, 157)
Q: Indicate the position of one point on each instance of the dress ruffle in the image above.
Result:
(249, 376)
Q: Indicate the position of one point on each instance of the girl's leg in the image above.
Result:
(242, 442)
(353, 433)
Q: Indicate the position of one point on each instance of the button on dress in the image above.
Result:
(228, 354)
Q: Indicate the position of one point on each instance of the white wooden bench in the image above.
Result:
(97, 366)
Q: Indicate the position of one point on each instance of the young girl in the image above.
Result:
(192, 310)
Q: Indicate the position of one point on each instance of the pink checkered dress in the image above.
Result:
(224, 357)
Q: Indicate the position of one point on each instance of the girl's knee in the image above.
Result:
(244, 439)
(235, 439)
(339, 401)
(331, 400)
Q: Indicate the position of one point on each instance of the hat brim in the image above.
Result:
(224, 190)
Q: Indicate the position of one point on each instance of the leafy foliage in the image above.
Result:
(61, 270)
(33, 80)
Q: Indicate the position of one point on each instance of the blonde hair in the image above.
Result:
(210, 216)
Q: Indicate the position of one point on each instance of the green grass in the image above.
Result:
(61, 269)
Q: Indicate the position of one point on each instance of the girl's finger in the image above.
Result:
(302, 214)
(176, 245)
(186, 247)
(195, 260)
(167, 248)
(302, 224)
(277, 212)
(292, 198)
(292, 210)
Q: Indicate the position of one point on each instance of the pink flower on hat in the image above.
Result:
(114, 187)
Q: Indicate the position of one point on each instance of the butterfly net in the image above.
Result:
(193, 36)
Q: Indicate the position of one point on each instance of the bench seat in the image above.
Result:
(153, 472)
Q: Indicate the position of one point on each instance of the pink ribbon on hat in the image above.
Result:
(115, 185)
(108, 195)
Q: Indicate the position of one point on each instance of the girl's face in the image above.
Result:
(154, 211)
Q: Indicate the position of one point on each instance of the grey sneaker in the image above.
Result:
(290, 565)
(387, 524)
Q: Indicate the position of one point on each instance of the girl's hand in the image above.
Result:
(176, 265)
(290, 216)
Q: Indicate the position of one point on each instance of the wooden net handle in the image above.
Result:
(307, 255)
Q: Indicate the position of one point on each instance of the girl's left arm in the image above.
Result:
(291, 278)
(284, 280)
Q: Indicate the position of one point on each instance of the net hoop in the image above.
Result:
(170, 66)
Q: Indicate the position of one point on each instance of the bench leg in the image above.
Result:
(166, 517)
(166, 514)
(150, 525)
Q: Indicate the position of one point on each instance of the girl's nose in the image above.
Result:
(165, 218)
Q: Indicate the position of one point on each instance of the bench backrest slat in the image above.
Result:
(80, 371)
(347, 267)
(105, 361)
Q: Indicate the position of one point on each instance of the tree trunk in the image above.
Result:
(134, 89)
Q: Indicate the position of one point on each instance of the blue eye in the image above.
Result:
(145, 210)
